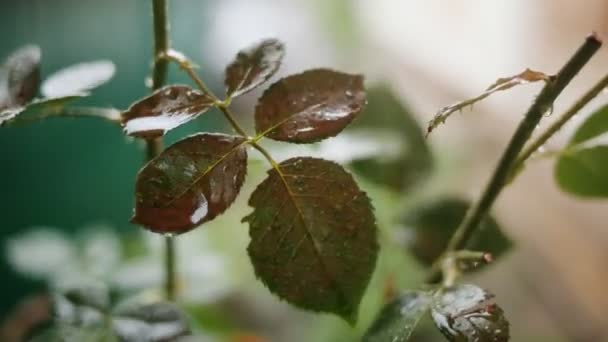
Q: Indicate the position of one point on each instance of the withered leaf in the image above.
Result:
(22, 76)
(310, 106)
(526, 76)
(191, 182)
(313, 236)
(78, 78)
(163, 110)
(253, 66)
(466, 313)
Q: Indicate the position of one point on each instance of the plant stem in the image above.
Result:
(232, 120)
(155, 146)
(543, 102)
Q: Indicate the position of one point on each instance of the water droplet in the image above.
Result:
(348, 93)
(148, 82)
(169, 235)
(548, 112)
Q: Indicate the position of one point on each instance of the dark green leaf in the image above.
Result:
(385, 115)
(163, 110)
(430, 227)
(191, 182)
(399, 318)
(155, 322)
(78, 78)
(582, 167)
(310, 106)
(313, 236)
(465, 313)
(21, 77)
(253, 66)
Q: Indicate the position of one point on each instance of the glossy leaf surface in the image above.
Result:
(78, 78)
(253, 66)
(465, 313)
(21, 77)
(583, 165)
(149, 322)
(429, 228)
(310, 106)
(399, 318)
(163, 110)
(191, 182)
(313, 236)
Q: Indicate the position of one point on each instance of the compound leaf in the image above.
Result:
(313, 236)
(191, 182)
(253, 66)
(310, 106)
(78, 78)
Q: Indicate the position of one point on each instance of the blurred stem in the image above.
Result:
(155, 146)
(543, 102)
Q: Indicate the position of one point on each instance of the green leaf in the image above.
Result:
(69, 333)
(465, 313)
(582, 167)
(21, 77)
(78, 78)
(163, 110)
(253, 66)
(313, 236)
(430, 226)
(399, 318)
(42, 108)
(136, 321)
(386, 116)
(191, 182)
(310, 106)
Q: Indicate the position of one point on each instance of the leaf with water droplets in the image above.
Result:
(163, 110)
(78, 78)
(313, 236)
(310, 106)
(583, 165)
(20, 77)
(399, 318)
(253, 66)
(525, 77)
(466, 313)
(429, 227)
(191, 182)
(135, 321)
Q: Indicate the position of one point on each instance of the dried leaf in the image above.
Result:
(465, 313)
(253, 66)
(163, 110)
(310, 106)
(313, 236)
(78, 78)
(22, 76)
(398, 319)
(191, 182)
(526, 76)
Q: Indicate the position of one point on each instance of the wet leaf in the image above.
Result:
(386, 116)
(310, 106)
(313, 236)
(42, 108)
(465, 313)
(154, 322)
(21, 77)
(83, 305)
(253, 66)
(191, 182)
(583, 165)
(525, 77)
(429, 227)
(78, 78)
(399, 318)
(163, 110)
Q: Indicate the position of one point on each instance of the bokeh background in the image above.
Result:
(66, 185)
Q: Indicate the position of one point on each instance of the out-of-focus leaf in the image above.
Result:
(398, 319)
(583, 165)
(78, 78)
(313, 236)
(526, 76)
(154, 322)
(21, 77)
(70, 333)
(83, 305)
(163, 110)
(310, 106)
(253, 66)
(191, 182)
(465, 313)
(429, 228)
(385, 115)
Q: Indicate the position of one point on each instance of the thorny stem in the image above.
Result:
(155, 146)
(544, 101)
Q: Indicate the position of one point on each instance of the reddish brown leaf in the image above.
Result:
(313, 236)
(163, 110)
(253, 66)
(310, 106)
(191, 182)
(22, 76)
